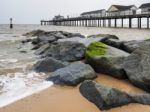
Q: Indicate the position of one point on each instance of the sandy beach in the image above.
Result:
(69, 99)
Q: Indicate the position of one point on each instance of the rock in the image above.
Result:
(76, 35)
(106, 97)
(85, 41)
(127, 46)
(60, 35)
(34, 33)
(131, 46)
(113, 42)
(35, 47)
(72, 35)
(105, 59)
(23, 51)
(41, 48)
(47, 38)
(137, 67)
(73, 74)
(52, 36)
(26, 41)
(103, 36)
(35, 41)
(48, 65)
(66, 51)
(55, 35)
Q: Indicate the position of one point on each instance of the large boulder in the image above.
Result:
(106, 97)
(106, 59)
(48, 65)
(65, 51)
(137, 67)
(127, 46)
(130, 46)
(72, 74)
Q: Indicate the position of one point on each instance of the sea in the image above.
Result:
(17, 78)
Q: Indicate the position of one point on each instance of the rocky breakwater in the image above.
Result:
(63, 62)
(46, 45)
(58, 58)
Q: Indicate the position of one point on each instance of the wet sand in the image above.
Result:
(68, 99)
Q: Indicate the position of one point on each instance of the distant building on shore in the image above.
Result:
(96, 13)
(118, 10)
(58, 17)
(145, 8)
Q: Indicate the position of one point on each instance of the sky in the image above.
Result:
(32, 11)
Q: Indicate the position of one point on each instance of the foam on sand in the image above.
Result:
(15, 88)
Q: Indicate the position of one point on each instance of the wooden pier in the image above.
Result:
(100, 21)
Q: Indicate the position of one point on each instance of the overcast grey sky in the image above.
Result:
(32, 11)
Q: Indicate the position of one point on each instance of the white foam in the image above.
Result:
(15, 88)
(9, 60)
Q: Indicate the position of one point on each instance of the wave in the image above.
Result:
(21, 85)
(9, 60)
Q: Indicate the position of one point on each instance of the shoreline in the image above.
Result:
(69, 99)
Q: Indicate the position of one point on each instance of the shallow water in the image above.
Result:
(17, 80)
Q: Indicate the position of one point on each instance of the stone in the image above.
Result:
(41, 49)
(105, 97)
(72, 75)
(103, 36)
(113, 42)
(137, 67)
(106, 59)
(131, 46)
(66, 51)
(34, 33)
(47, 65)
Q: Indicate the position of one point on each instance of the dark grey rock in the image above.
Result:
(47, 38)
(85, 41)
(51, 36)
(41, 49)
(34, 33)
(73, 74)
(103, 36)
(106, 97)
(48, 65)
(131, 46)
(137, 67)
(66, 51)
(26, 41)
(109, 61)
(113, 42)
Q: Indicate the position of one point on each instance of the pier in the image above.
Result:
(106, 18)
(99, 21)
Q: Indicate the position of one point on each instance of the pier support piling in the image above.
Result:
(122, 22)
(130, 22)
(115, 23)
(147, 22)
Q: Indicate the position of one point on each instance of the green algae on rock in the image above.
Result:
(96, 49)
(106, 59)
